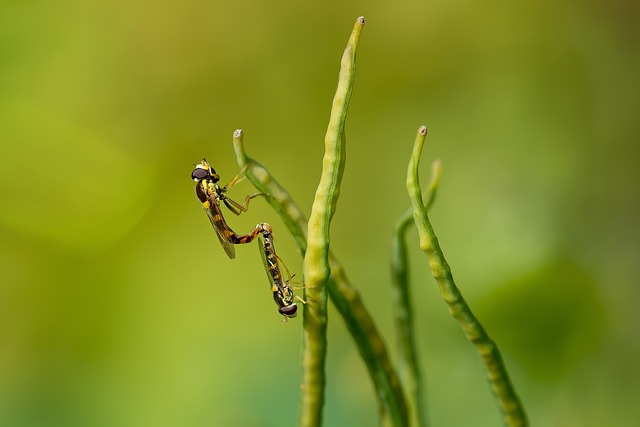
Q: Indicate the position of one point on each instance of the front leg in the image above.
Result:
(236, 179)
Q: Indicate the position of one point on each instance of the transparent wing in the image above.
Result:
(226, 244)
(264, 260)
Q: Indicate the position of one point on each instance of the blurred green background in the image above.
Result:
(118, 306)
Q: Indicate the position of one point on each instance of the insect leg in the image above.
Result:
(238, 208)
(236, 179)
(301, 300)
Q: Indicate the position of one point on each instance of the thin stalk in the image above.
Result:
(410, 369)
(316, 260)
(342, 292)
(510, 405)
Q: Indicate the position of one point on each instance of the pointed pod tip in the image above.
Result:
(423, 130)
(237, 133)
(361, 20)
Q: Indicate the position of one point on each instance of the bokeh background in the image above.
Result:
(118, 306)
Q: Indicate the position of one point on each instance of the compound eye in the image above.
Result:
(289, 310)
(199, 173)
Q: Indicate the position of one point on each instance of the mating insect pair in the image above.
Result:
(211, 195)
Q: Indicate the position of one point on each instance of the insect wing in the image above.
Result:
(263, 255)
(226, 244)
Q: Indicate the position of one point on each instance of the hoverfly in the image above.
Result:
(211, 194)
(282, 292)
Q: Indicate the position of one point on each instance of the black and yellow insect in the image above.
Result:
(211, 195)
(282, 292)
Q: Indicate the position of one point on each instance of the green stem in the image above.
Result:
(316, 260)
(342, 292)
(410, 369)
(512, 409)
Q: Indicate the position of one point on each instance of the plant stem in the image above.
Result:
(512, 410)
(410, 369)
(342, 292)
(316, 260)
